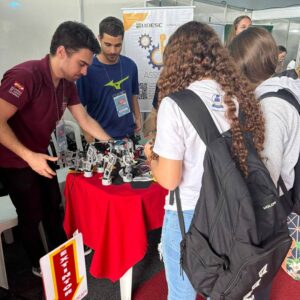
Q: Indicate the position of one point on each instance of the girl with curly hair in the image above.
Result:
(256, 54)
(195, 59)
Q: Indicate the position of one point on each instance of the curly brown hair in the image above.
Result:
(195, 52)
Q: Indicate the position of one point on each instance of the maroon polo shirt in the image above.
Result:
(29, 87)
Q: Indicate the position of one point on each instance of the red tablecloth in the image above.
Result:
(113, 220)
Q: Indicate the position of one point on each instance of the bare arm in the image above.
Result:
(37, 161)
(167, 172)
(137, 113)
(87, 123)
(89, 138)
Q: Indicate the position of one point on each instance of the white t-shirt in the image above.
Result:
(178, 140)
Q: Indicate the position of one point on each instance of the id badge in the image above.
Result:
(61, 138)
(121, 103)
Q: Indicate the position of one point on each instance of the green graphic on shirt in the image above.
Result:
(116, 85)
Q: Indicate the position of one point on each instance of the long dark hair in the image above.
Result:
(256, 54)
(195, 52)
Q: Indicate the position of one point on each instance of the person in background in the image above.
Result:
(292, 73)
(176, 159)
(33, 97)
(240, 24)
(282, 122)
(291, 65)
(110, 90)
(282, 52)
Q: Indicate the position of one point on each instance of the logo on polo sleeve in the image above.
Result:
(16, 89)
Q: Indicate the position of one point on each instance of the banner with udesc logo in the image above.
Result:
(147, 31)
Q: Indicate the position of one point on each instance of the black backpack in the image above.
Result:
(238, 236)
(291, 198)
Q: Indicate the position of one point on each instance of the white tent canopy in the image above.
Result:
(27, 25)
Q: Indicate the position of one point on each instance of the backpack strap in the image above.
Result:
(285, 95)
(290, 98)
(196, 111)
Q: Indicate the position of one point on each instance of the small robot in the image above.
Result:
(108, 157)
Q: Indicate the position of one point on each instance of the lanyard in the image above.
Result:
(56, 100)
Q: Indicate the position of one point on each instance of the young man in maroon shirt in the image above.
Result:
(33, 97)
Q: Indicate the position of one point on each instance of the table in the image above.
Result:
(114, 221)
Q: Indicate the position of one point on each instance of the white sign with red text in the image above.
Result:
(64, 271)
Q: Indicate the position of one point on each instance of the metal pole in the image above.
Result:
(225, 12)
(81, 11)
(287, 34)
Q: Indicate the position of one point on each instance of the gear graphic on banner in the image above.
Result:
(145, 41)
(156, 53)
(155, 58)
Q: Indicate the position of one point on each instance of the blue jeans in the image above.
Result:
(179, 287)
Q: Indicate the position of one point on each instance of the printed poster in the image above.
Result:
(147, 31)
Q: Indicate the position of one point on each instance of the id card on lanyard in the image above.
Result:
(61, 137)
(121, 103)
